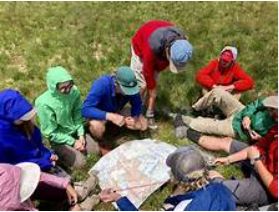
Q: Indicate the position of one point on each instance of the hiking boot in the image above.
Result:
(84, 189)
(152, 124)
(90, 202)
(151, 120)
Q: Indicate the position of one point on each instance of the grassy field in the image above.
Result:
(93, 38)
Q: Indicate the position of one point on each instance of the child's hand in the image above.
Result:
(221, 161)
(109, 195)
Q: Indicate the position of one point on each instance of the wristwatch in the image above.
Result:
(253, 160)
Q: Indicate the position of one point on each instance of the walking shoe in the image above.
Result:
(84, 189)
(90, 202)
(151, 120)
(152, 124)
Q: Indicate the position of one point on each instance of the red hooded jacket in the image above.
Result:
(212, 75)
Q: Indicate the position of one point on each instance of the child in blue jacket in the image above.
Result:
(20, 139)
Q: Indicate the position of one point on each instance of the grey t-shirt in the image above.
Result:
(162, 38)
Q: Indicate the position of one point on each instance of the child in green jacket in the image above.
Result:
(59, 111)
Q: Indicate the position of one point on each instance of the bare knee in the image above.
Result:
(225, 143)
(215, 143)
(97, 128)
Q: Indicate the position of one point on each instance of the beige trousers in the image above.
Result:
(226, 102)
(236, 95)
(137, 66)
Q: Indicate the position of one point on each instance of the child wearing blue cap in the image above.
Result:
(105, 101)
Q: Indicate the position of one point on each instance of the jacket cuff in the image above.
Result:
(81, 131)
(71, 142)
(124, 204)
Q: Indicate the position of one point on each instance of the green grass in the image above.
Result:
(93, 38)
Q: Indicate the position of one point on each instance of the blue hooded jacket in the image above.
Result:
(15, 147)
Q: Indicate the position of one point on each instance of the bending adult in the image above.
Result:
(156, 45)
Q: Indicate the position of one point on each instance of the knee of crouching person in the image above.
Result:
(97, 128)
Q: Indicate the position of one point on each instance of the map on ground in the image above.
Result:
(136, 168)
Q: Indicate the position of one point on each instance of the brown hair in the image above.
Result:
(27, 127)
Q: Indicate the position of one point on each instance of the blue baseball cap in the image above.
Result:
(127, 80)
(180, 53)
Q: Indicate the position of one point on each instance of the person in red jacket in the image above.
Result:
(262, 185)
(155, 46)
(224, 73)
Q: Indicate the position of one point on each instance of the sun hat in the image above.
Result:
(271, 101)
(232, 49)
(26, 117)
(186, 164)
(29, 179)
(180, 54)
(127, 80)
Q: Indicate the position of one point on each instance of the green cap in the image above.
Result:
(127, 80)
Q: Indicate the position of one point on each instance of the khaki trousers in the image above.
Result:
(226, 102)
(236, 95)
(137, 66)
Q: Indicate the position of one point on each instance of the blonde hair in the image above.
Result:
(193, 185)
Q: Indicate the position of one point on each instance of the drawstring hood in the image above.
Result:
(12, 106)
(57, 75)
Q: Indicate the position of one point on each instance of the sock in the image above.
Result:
(193, 135)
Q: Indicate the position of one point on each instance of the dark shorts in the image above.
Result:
(237, 146)
(249, 190)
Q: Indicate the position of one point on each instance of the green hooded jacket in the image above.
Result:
(60, 114)
(261, 121)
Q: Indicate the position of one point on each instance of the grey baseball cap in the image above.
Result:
(186, 163)
(271, 101)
